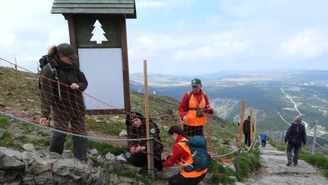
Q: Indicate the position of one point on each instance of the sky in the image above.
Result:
(187, 36)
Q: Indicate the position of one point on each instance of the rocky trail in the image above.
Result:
(275, 171)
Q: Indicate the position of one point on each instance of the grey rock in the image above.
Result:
(14, 182)
(94, 152)
(72, 168)
(121, 158)
(28, 179)
(114, 165)
(68, 154)
(40, 166)
(100, 159)
(10, 152)
(233, 178)
(113, 178)
(123, 133)
(11, 163)
(127, 155)
(8, 175)
(45, 178)
(166, 173)
(229, 165)
(28, 147)
(110, 157)
(2, 132)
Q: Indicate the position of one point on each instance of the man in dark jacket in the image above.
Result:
(61, 85)
(247, 131)
(295, 135)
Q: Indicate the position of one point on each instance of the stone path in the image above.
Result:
(275, 171)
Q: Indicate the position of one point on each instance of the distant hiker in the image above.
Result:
(136, 129)
(193, 109)
(247, 131)
(181, 154)
(295, 136)
(61, 85)
(263, 139)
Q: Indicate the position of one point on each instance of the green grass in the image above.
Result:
(40, 143)
(7, 141)
(318, 160)
(104, 148)
(4, 122)
(113, 128)
(142, 176)
(220, 174)
(248, 162)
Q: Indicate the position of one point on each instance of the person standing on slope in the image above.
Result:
(247, 131)
(193, 109)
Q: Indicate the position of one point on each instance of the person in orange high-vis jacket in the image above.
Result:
(181, 154)
(193, 109)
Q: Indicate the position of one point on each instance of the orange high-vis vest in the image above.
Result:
(182, 164)
(193, 120)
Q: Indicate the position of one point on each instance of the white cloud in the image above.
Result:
(6, 39)
(306, 44)
(58, 36)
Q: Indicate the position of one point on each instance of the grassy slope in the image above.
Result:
(162, 108)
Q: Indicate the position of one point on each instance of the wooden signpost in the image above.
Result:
(97, 32)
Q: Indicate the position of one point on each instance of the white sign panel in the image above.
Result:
(103, 70)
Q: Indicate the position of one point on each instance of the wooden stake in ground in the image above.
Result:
(255, 120)
(241, 122)
(251, 124)
(147, 113)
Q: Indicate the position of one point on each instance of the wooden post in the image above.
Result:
(241, 122)
(251, 125)
(147, 113)
(255, 120)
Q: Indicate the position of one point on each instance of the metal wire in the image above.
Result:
(320, 146)
(68, 133)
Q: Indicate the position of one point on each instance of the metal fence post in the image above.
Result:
(238, 161)
(152, 132)
(314, 137)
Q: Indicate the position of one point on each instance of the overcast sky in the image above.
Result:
(187, 36)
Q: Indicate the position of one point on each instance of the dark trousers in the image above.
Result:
(247, 138)
(192, 131)
(140, 159)
(296, 148)
(178, 179)
(263, 143)
(79, 143)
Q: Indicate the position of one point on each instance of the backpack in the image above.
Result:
(200, 155)
(42, 62)
(296, 138)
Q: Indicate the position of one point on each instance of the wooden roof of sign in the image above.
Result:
(123, 7)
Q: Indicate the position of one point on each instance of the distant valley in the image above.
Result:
(275, 97)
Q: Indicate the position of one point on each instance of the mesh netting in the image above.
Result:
(63, 106)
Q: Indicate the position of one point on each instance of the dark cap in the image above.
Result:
(67, 50)
(196, 82)
(134, 115)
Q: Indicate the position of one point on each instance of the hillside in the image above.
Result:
(276, 97)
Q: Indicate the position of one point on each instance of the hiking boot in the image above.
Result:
(289, 163)
(295, 164)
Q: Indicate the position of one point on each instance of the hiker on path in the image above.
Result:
(193, 109)
(247, 131)
(181, 154)
(136, 129)
(295, 136)
(61, 85)
(263, 139)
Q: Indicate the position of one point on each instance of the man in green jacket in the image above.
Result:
(61, 85)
